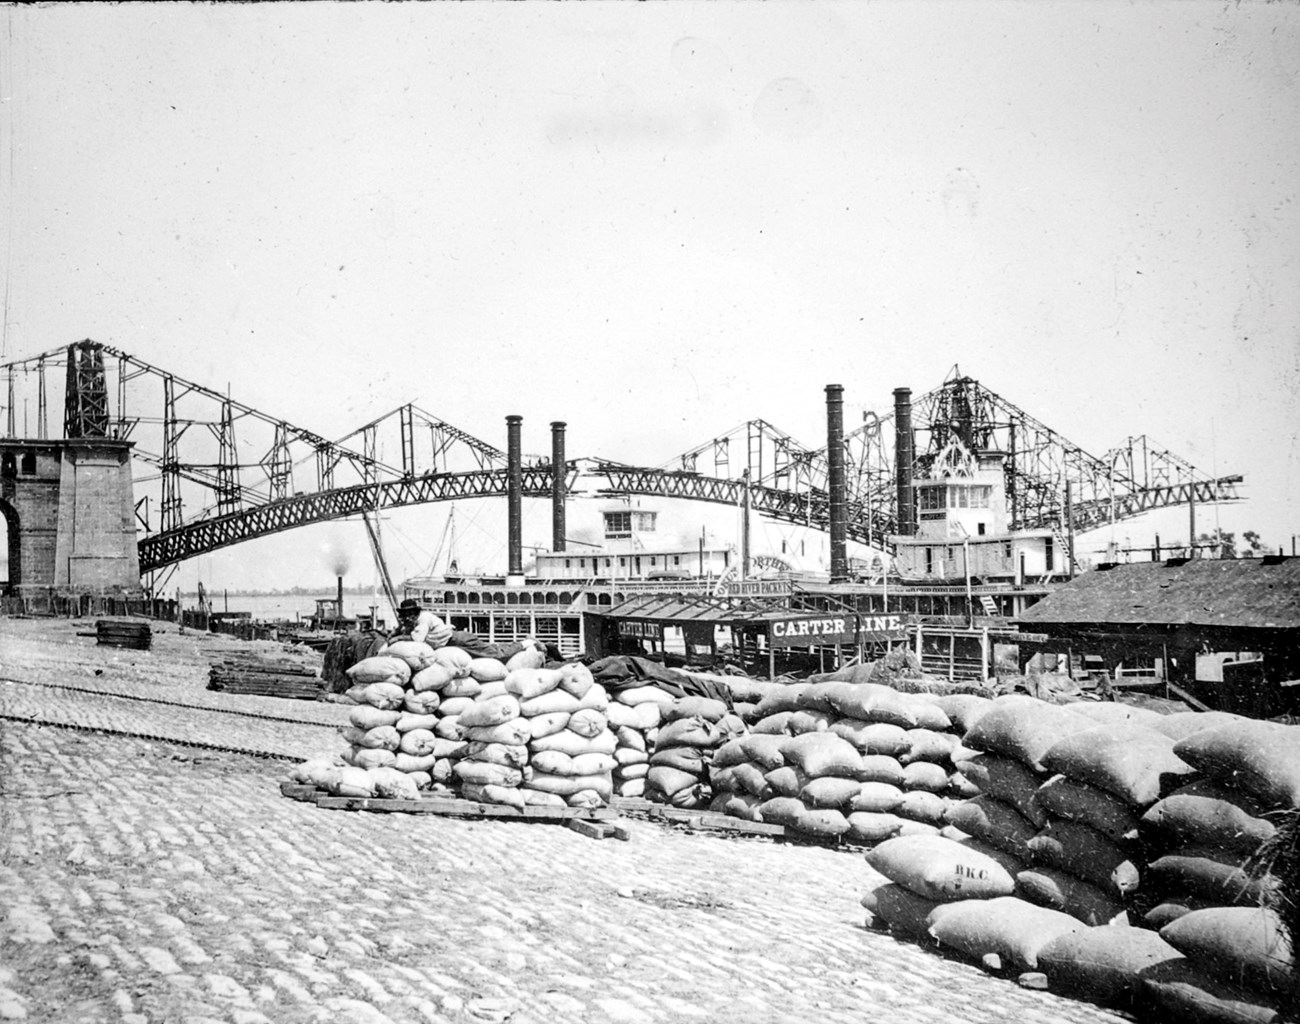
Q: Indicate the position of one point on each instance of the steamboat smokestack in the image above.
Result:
(514, 498)
(558, 467)
(904, 457)
(835, 468)
(338, 613)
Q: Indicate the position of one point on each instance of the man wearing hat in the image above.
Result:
(416, 623)
(420, 624)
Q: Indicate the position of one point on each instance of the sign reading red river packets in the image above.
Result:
(833, 628)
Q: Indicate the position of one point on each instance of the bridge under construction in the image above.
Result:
(147, 469)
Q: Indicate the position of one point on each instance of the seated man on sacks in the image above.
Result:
(416, 623)
(420, 624)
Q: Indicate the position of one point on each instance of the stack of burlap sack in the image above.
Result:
(841, 759)
(1093, 813)
(512, 733)
(570, 745)
(391, 743)
(960, 895)
(1200, 838)
(682, 754)
(1230, 956)
(1061, 791)
(635, 713)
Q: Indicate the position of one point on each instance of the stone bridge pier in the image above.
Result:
(69, 514)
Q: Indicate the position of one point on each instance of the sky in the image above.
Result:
(656, 221)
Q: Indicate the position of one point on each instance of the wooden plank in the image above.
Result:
(713, 820)
(451, 807)
(600, 829)
(590, 829)
(356, 803)
(564, 813)
(597, 813)
(1186, 697)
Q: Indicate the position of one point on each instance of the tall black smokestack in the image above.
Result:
(558, 474)
(339, 607)
(904, 457)
(835, 468)
(514, 496)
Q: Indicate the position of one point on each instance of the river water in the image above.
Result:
(292, 607)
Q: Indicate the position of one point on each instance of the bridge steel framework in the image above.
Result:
(227, 472)
(163, 549)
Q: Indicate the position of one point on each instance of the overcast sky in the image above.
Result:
(656, 221)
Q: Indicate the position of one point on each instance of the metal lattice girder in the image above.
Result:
(86, 409)
(228, 488)
(327, 457)
(1098, 512)
(444, 434)
(407, 430)
(42, 418)
(301, 510)
(277, 464)
(808, 508)
(769, 452)
(225, 484)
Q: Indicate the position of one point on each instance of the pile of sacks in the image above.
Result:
(1111, 823)
(682, 758)
(1231, 964)
(515, 733)
(1061, 791)
(1200, 838)
(634, 713)
(570, 747)
(941, 890)
(1093, 813)
(842, 759)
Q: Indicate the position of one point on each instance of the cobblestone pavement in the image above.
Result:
(76, 708)
(176, 669)
(151, 882)
(66, 679)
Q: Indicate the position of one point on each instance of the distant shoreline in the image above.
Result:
(291, 592)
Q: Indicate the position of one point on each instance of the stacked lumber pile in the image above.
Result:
(127, 633)
(261, 676)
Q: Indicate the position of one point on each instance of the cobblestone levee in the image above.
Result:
(149, 881)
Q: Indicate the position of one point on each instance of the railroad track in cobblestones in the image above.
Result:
(169, 703)
(154, 737)
(277, 755)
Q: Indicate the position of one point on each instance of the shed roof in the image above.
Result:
(1250, 593)
(685, 608)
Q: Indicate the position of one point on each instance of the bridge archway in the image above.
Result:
(10, 525)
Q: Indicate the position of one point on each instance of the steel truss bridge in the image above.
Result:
(212, 472)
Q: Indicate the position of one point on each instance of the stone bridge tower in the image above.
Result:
(68, 504)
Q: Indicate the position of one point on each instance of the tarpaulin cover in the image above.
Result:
(622, 671)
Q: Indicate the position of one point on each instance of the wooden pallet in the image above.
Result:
(439, 804)
(711, 821)
(633, 803)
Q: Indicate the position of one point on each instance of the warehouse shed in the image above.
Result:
(1223, 632)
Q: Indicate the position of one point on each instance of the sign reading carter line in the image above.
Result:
(833, 628)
